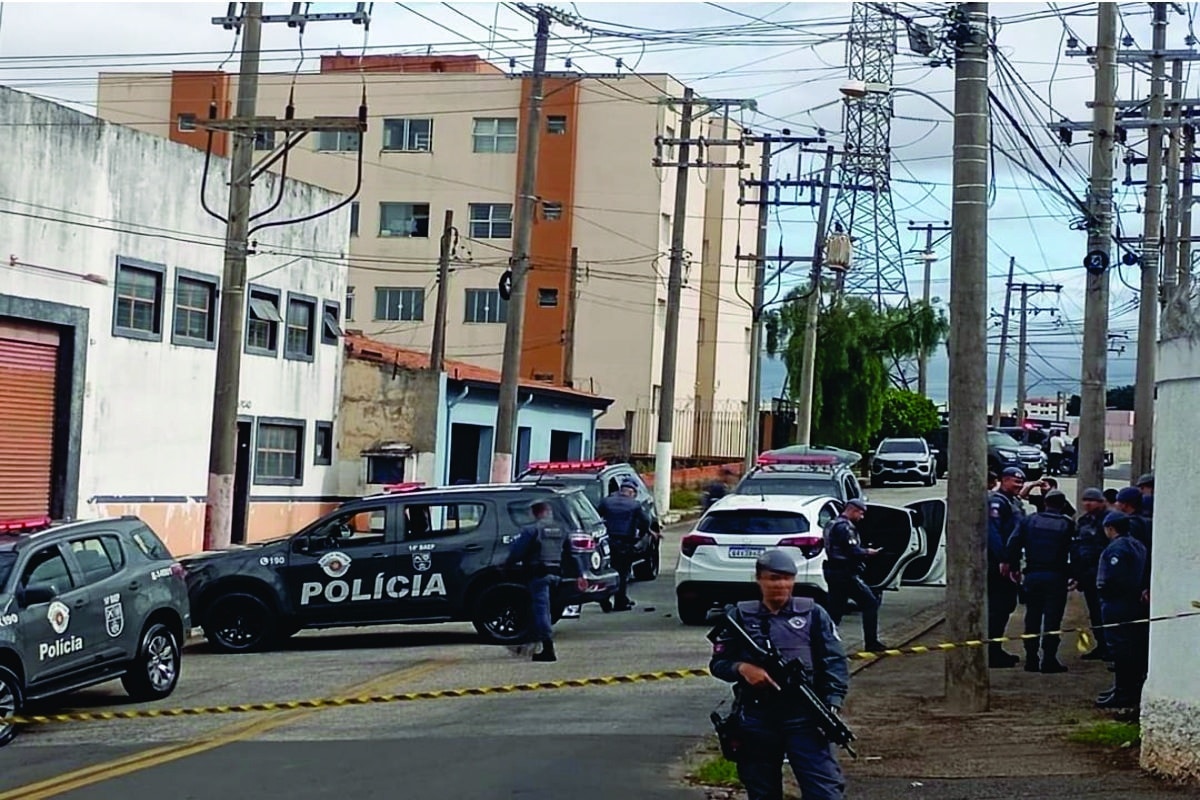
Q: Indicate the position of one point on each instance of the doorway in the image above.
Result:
(566, 446)
(241, 482)
(470, 453)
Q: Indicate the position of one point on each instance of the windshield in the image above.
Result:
(997, 439)
(748, 523)
(902, 446)
(6, 564)
(805, 485)
(591, 486)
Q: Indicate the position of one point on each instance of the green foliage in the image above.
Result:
(685, 498)
(1108, 734)
(1120, 398)
(907, 414)
(856, 344)
(716, 772)
(1073, 404)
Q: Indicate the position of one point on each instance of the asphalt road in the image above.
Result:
(600, 742)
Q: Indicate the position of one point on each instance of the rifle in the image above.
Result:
(793, 678)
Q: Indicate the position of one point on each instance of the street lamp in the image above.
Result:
(835, 254)
(857, 90)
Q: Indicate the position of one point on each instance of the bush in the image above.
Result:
(1108, 734)
(907, 414)
(685, 498)
(717, 772)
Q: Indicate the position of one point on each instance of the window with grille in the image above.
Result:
(138, 299)
(277, 452)
(495, 135)
(408, 135)
(547, 298)
(400, 305)
(404, 220)
(195, 310)
(486, 305)
(491, 220)
(298, 341)
(263, 321)
(556, 124)
(552, 210)
(335, 141)
(264, 140)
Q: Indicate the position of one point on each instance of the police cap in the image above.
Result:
(1146, 480)
(856, 503)
(1093, 494)
(1131, 496)
(1012, 472)
(629, 483)
(1117, 521)
(1055, 498)
(776, 561)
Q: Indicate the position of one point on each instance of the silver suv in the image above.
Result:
(903, 460)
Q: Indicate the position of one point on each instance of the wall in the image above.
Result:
(87, 192)
(1170, 713)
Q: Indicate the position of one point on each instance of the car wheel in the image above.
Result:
(693, 612)
(240, 623)
(10, 704)
(155, 670)
(504, 614)
(647, 569)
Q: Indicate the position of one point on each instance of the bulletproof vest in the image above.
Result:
(1121, 569)
(1047, 542)
(1089, 541)
(619, 514)
(1017, 513)
(840, 548)
(790, 630)
(549, 543)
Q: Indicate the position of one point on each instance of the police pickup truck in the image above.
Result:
(410, 555)
(85, 603)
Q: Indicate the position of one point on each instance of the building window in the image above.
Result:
(408, 135)
(404, 219)
(556, 124)
(495, 135)
(400, 305)
(385, 469)
(354, 218)
(552, 210)
(264, 140)
(547, 298)
(337, 141)
(670, 145)
(350, 303)
(491, 220)
(323, 444)
(138, 300)
(186, 123)
(331, 328)
(195, 310)
(277, 452)
(298, 342)
(486, 305)
(262, 324)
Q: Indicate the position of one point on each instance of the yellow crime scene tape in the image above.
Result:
(1086, 641)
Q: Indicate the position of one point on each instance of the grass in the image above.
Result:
(716, 771)
(1108, 734)
(685, 498)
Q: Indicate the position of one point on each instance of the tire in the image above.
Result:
(10, 704)
(877, 483)
(504, 615)
(692, 612)
(154, 672)
(240, 622)
(647, 569)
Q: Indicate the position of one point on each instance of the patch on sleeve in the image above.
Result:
(994, 511)
(718, 648)
(1114, 560)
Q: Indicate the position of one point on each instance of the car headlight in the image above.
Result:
(1007, 455)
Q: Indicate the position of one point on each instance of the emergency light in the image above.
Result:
(566, 466)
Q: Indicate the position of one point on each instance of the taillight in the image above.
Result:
(178, 571)
(810, 546)
(582, 542)
(693, 540)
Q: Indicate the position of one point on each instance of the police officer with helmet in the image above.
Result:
(1119, 581)
(1005, 512)
(773, 724)
(846, 560)
(539, 547)
(1086, 547)
(1044, 540)
(626, 521)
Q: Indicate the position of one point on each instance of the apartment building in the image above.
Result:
(444, 137)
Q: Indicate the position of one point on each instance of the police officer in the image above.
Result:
(1044, 539)
(1119, 578)
(846, 560)
(1145, 485)
(1005, 512)
(626, 521)
(539, 547)
(772, 724)
(1088, 544)
(718, 488)
(1129, 503)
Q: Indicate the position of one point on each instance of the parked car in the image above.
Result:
(412, 555)
(802, 474)
(599, 479)
(716, 559)
(903, 460)
(84, 603)
(1004, 451)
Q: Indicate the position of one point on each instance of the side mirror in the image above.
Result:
(300, 544)
(38, 593)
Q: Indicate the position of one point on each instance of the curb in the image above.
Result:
(920, 624)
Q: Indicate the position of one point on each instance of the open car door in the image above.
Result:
(895, 531)
(929, 569)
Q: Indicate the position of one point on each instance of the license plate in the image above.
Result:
(746, 552)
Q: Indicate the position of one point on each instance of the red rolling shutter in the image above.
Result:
(28, 367)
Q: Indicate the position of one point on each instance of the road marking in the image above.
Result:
(222, 736)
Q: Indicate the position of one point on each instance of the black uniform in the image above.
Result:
(844, 565)
(1005, 512)
(1119, 580)
(1044, 540)
(1086, 547)
(626, 521)
(540, 548)
(773, 725)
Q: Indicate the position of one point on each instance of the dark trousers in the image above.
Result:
(539, 593)
(1045, 603)
(1002, 602)
(1128, 645)
(622, 558)
(760, 760)
(1055, 463)
(1092, 598)
(845, 585)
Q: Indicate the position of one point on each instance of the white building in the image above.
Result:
(108, 318)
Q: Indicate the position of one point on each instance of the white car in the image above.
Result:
(716, 559)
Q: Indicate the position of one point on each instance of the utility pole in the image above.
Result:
(998, 396)
(1022, 352)
(756, 308)
(1143, 392)
(966, 676)
(514, 327)
(1094, 366)
(437, 353)
(1170, 271)
(573, 298)
(1185, 207)
(808, 364)
(928, 257)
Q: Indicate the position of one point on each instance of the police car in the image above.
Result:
(804, 472)
(410, 555)
(85, 603)
(716, 559)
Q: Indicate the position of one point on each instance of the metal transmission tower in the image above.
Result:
(864, 200)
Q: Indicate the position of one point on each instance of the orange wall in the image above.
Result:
(543, 351)
(191, 93)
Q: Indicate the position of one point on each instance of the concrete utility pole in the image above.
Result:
(1170, 268)
(1094, 365)
(754, 392)
(966, 676)
(1185, 209)
(514, 327)
(1143, 391)
(1022, 350)
(437, 352)
(998, 396)
(812, 313)
(927, 257)
(573, 298)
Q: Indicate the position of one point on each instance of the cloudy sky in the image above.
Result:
(789, 57)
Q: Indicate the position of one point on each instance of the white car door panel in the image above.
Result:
(894, 530)
(929, 569)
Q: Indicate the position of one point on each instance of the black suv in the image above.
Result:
(413, 555)
(84, 603)
(807, 474)
(598, 480)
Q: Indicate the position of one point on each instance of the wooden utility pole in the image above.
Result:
(514, 327)
(998, 396)
(437, 353)
(812, 313)
(966, 676)
(573, 299)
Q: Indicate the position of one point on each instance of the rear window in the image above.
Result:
(579, 512)
(748, 523)
(6, 566)
(582, 509)
(799, 484)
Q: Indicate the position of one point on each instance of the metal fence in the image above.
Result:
(696, 433)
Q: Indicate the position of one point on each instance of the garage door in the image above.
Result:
(28, 356)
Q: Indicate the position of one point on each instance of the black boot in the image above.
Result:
(547, 652)
(1052, 666)
(999, 658)
(1032, 663)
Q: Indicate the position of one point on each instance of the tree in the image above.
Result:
(907, 414)
(1074, 402)
(856, 343)
(1120, 398)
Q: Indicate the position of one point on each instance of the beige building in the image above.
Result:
(444, 136)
